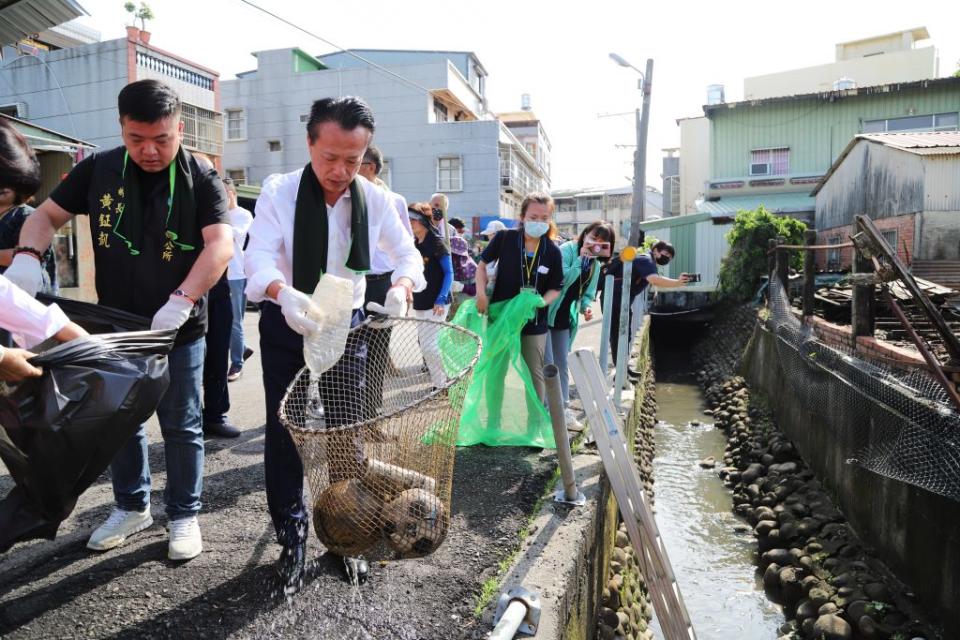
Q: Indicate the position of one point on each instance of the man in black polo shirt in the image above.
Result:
(161, 238)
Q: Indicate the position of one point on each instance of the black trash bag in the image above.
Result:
(97, 319)
(60, 431)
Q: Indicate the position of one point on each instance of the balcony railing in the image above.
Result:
(175, 71)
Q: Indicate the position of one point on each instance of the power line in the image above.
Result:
(339, 48)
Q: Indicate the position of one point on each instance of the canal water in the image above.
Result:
(714, 565)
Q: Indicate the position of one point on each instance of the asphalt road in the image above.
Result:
(59, 589)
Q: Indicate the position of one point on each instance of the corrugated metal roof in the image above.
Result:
(24, 18)
(919, 142)
(44, 139)
(775, 202)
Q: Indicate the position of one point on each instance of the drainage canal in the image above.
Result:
(712, 551)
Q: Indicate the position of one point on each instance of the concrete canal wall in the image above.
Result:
(576, 558)
(916, 532)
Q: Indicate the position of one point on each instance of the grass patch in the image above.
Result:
(490, 589)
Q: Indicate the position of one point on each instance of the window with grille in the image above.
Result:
(591, 203)
(439, 111)
(239, 176)
(833, 255)
(891, 237)
(236, 124)
(202, 129)
(449, 173)
(770, 162)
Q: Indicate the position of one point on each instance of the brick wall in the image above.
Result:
(869, 349)
(904, 225)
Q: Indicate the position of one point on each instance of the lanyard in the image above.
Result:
(529, 266)
(173, 185)
(586, 269)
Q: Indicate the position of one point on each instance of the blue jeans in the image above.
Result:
(558, 346)
(180, 425)
(238, 300)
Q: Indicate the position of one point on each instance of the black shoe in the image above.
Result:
(291, 567)
(247, 352)
(236, 370)
(220, 430)
(356, 570)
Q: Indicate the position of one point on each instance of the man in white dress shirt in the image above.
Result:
(319, 219)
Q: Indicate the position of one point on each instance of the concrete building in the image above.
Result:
(671, 182)
(528, 129)
(774, 151)
(694, 162)
(433, 124)
(876, 60)
(909, 184)
(74, 89)
(772, 147)
(577, 208)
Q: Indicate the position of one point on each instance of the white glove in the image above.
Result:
(172, 315)
(294, 305)
(395, 303)
(25, 272)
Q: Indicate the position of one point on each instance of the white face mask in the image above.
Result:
(535, 229)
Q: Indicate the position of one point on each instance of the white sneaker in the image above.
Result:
(185, 541)
(572, 419)
(118, 526)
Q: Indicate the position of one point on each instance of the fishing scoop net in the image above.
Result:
(376, 433)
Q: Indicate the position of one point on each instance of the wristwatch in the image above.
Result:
(183, 294)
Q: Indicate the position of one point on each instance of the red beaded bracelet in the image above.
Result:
(34, 252)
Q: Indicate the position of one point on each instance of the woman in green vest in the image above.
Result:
(582, 261)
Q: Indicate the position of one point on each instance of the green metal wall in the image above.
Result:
(815, 130)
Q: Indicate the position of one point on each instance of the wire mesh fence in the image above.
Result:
(906, 426)
(377, 432)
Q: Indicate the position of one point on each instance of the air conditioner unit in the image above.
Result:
(760, 169)
(15, 110)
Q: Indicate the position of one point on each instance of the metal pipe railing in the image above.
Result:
(569, 491)
(605, 330)
(623, 345)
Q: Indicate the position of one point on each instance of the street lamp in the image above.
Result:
(623, 63)
(640, 155)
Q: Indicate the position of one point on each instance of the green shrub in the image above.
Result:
(746, 263)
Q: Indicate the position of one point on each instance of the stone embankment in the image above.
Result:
(625, 610)
(812, 561)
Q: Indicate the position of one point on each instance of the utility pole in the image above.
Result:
(638, 212)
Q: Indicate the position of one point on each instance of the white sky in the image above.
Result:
(559, 55)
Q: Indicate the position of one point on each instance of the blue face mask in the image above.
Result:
(535, 229)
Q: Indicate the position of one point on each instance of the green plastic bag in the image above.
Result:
(501, 407)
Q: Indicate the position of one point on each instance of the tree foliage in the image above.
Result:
(747, 261)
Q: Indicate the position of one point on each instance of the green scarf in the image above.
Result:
(181, 223)
(310, 232)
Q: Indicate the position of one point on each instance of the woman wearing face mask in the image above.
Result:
(581, 272)
(433, 302)
(644, 272)
(526, 258)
